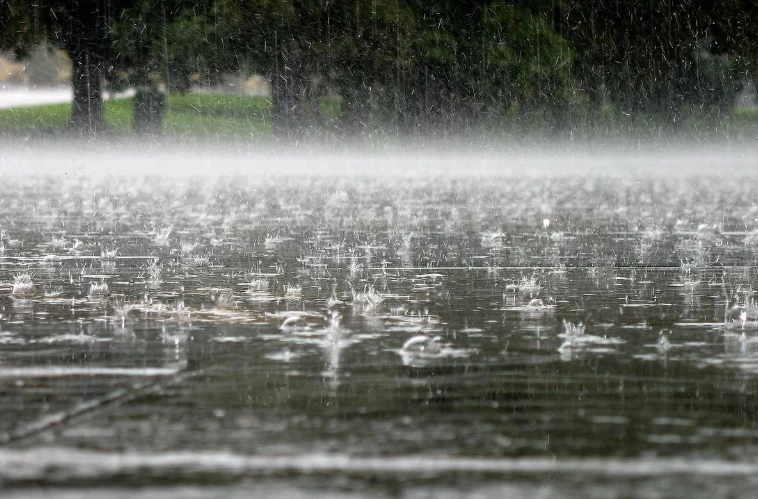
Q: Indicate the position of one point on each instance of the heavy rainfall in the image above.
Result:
(378, 248)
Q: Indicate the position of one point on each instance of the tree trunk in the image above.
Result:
(412, 119)
(313, 91)
(356, 109)
(87, 109)
(149, 105)
(285, 103)
(287, 88)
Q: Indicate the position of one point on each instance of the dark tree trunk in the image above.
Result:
(149, 102)
(412, 119)
(425, 104)
(313, 91)
(356, 109)
(287, 89)
(149, 105)
(85, 39)
(286, 94)
(87, 109)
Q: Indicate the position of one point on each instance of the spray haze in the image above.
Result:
(683, 159)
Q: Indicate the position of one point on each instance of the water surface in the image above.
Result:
(192, 332)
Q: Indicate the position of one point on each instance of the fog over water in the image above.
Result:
(213, 158)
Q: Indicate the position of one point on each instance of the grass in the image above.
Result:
(222, 115)
(222, 105)
(117, 114)
(48, 118)
(236, 116)
(191, 114)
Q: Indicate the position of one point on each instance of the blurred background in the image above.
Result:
(569, 69)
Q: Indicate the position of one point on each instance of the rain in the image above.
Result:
(378, 248)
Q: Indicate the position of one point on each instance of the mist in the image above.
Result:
(421, 159)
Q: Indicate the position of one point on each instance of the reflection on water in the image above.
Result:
(574, 319)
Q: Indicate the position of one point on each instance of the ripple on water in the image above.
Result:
(238, 278)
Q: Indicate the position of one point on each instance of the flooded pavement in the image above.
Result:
(373, 336)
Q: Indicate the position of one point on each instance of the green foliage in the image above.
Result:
(662, 57)
(526, 61)
(163, 43)
(20, 29)
(252, 33)
(415, 66)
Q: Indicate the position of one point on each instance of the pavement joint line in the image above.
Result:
(111, 400)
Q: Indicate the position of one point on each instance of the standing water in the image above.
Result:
(289, 331)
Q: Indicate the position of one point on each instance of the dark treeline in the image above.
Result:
(408, 66)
